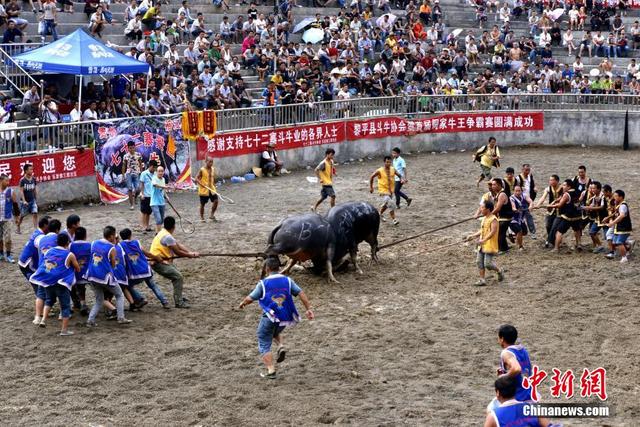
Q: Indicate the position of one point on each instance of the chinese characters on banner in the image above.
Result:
(50, 167)
(593, 383)
(158, 139)
(239, 143)
(445, 123)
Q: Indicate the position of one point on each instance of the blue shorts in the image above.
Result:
(133, 181)
(267, 330)
(39, 291)
(595, 228)
(619, 239)
(63, 295)
(158, 214)
(27, 208)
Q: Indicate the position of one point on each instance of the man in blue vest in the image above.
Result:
(7, 200)
(275, 295)
(510, 411)
(514, 360)
(29, 261)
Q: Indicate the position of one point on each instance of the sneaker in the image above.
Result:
(481, 282)
(533, 236)
(500, 276)
(42, 323)
(624, 259)
(36, 320)
(10, 259)
(124, 321)
(166, 306)
(111, 314)
(598, 250)
(547, 245)
(91, 324)
(409, 200)
(610, 255)
(183, 305)
(282, 353)
(131, 208)
(396, 222)
(268, 375)
(382, 218)
(66, 333)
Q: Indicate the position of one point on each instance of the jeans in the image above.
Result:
(50, 27)
(133, 182)
(63, 295)
(98, 290)
(158, 214)
(552, 227)
(267, 330)
(399, 194)
(170, 272)
(151, 284)
(486, 261)
(531, 225)
(602, 49)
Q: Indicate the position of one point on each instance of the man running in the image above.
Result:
(487, 244)
(207, 189)
(275, 295)
(131, 167)
(510, 411)
(165, 246)
(622, 228)
(489, 157)
(29, 262)
(400, 165)
(29, 196)
(385, 188)
(7, 200)
(325, 171)
(146, 191)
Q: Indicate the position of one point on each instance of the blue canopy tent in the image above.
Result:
(81, 55)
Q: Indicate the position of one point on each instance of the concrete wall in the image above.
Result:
(591, 128)
(75, 189)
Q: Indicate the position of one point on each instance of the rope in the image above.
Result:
(231, 255)
(415, 236)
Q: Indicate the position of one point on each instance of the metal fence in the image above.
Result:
(28, 139)
(12, 74)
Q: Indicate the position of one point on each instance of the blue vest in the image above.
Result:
(7, 209)
(46, 242)
(137, 264)
(29, 255)
(120, 270)
(100, 270)
(82, 251)
(53, 271)
(513, 416)
(277, 301)
(522, 355)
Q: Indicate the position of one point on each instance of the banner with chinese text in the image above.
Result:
(51, 166)
(157, 139)
(445, 123)
(255, 141)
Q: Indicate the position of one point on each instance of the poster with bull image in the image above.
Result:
(157, 139)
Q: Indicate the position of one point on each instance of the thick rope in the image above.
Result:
(415, 236)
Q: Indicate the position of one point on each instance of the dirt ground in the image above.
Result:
(410, 342)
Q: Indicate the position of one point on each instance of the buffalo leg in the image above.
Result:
(330, 272)
(354, 260)
(289, 266)
(373, 242)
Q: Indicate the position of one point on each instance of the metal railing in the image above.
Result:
(29, 139)
(13, 74)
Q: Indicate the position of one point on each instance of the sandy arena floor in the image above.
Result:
(411, 342)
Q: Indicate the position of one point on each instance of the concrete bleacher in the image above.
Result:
(456, 15)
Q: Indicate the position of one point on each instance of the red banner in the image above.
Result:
(50, 166)
(239, 143)
(444, 123)
(634, 4)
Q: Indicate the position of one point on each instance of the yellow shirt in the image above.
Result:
(207, 180)
(150, 13)
(157, 248)
(486, 159)
(385, 181)
(491, 245)
(277, 79)
(326, 175)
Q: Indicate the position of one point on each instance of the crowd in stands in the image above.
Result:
(365, 52)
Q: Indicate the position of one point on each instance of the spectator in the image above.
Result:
(269, 161)
(12, 33)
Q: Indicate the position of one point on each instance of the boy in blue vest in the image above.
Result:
(7, 200)
(56, 274)
(28, 263)
(82, 250)
(510, 411)
(102, 276)
(138, 268)
(275, 295)
(47, 241)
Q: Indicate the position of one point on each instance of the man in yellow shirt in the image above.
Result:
(325, 172)
(207, 189)
(165, 246)
(386, 177)
(487, 243)
(488, 156)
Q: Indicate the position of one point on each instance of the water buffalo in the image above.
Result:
(353, 223)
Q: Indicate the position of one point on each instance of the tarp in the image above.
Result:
(79, 54)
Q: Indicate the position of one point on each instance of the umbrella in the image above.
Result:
(555, 14)
(456, 32)
(392, 18)
(313, 35)
(304, 23)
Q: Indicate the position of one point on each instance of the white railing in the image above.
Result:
(13, 73)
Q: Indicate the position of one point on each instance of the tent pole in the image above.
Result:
(80, 95)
